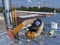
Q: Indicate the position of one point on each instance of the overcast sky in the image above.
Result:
(48, 3)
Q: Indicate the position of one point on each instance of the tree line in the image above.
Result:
(42, 9)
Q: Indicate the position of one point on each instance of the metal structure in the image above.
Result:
(7, 13)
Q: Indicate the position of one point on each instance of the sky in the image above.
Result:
(48, 3)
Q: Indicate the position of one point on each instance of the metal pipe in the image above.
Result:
(2, 33)
(7, 13)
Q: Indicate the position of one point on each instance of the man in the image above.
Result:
(35, 29)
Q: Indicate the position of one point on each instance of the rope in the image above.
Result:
(14, 19)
